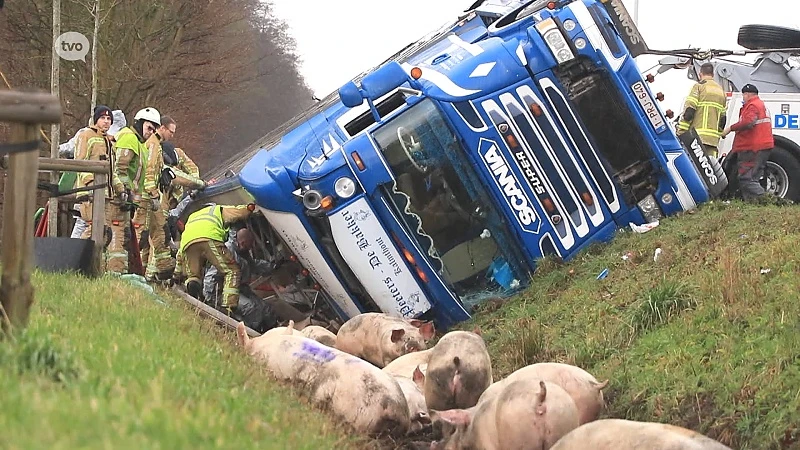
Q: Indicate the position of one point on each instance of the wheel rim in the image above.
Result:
(776, 180)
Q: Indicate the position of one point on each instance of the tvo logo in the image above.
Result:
(72, 46)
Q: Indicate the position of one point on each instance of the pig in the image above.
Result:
(459, 370)
(417, 409)
(353, 389)
(380, 338)
(525, 414)
(319, 334)
(584, 389)
(619, 434)
(288, 329)
(406, 365)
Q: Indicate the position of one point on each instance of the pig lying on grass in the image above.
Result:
(355, 390)
(524, 414)
(618, 434)
(584, 389)
(417, 409)
(380, 338)
(319, 334)
(459, 370)
(406, 365)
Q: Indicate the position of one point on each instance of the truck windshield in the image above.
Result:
(441, 201)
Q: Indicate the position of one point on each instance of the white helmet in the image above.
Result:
(148, 114)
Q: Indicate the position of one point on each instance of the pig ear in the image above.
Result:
(454, 417)
(477, 330)
(398, 334)
(418, 377)
(428, 330)
(290, 327)
(416, 323)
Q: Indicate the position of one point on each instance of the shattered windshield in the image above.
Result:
(442, 202)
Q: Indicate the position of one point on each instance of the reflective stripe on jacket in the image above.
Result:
(707, 99)
(131, 160)
(754, 128)
(206, 224)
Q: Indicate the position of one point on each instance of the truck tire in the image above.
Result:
(782, 174)
(757, 37)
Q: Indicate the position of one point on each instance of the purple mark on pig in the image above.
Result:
(315, 353)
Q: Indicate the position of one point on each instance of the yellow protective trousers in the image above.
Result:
(197, 254)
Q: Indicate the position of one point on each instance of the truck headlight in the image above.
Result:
(555, 40)
(344, 187)
(649, 209)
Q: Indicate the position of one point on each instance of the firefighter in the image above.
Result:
(93, 144)
(704, 110)
(153, 241)
(172, 179)
(130, 160)
(203, 240)
(187, 174)
(752, 143)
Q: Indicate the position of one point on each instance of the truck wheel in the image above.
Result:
(782, 175)
(757, 37)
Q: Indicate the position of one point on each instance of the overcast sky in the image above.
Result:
(337, 40)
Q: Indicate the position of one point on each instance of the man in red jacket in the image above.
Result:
(752, 143)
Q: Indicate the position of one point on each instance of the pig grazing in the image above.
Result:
(618, 434)
(355, 390)
(459, 370)
(526, 414)
(584, 389)
(406, 365)
(319, 334)
(380, 338)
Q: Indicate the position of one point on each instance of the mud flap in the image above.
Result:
(710, 169)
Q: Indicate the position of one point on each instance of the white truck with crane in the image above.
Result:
(776, 73)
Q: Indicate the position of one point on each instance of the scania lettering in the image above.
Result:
(437, 180)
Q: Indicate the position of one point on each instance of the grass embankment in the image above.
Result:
(700, 338)
(103, 365)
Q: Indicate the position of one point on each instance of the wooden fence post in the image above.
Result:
(25, 112)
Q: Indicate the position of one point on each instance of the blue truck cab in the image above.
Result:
(438, 179)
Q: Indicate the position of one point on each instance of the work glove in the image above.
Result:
(125, 196)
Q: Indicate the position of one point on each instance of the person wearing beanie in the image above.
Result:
(751, 144)
(92, 144)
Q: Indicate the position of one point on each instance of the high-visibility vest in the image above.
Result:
(128, 139)
(205, 223)
(707, 98)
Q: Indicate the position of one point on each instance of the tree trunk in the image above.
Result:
(94, 56)
(55, 129)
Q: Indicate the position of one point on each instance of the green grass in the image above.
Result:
(103, 365)
(699, 338)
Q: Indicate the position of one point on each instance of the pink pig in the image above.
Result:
(353, 389)
(525, 414)
(584, 389)
(380, 338)
(618, 434)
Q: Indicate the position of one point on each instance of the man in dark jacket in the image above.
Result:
(752, 143)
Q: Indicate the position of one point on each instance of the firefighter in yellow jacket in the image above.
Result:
(203, 240)
(187, 174)
(153, 244)
(93, 145)
(161, 264)
(704, 110)
(130, 161)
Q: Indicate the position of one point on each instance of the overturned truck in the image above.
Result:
(438, 179)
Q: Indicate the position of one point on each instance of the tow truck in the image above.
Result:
(775, 71)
